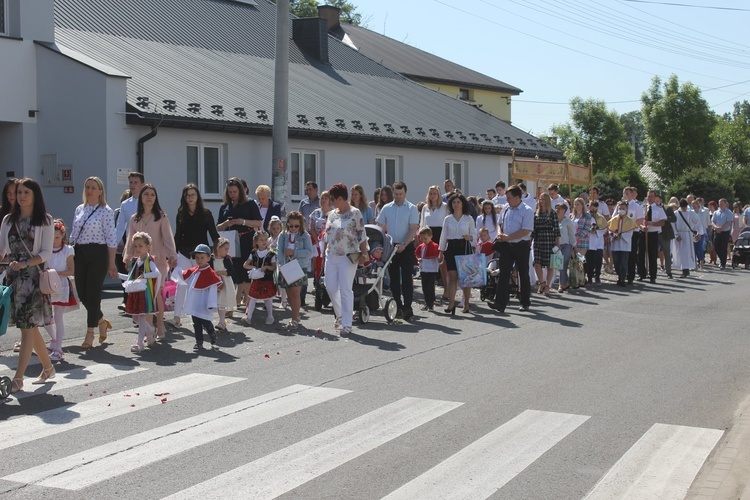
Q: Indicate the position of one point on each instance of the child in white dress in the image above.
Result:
(142, 285)
(263, 262)
(66, 300)
(222, 265)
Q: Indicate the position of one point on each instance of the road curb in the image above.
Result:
(726, 475)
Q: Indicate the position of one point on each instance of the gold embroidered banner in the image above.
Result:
(539, 170)
(578, 174)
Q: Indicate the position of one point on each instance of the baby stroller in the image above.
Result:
(741, 250)
(488, 291)
(368, 297)
(5, 293)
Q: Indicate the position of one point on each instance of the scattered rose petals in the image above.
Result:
(127, 395)
(85, 385)
(267, 356)
(277, 353)
(161, 394)
(163, 400)
(91, 394)
(137, 393)
(104, 392)
(132, 406)
(109, 404)
(319, 330)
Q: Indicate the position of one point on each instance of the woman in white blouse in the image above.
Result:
(346, 245)
(93, 235)
(457, 238)
(432, 216)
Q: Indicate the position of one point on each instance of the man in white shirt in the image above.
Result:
(649, 247)
(635, 212)
(603, 208)
(526, 197)
(554, 195)
(500, 199)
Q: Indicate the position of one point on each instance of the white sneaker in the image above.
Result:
(246, 320)
(270, 320)
(346, 330)
(337, 324)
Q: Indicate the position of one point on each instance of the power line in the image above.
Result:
(688, 5)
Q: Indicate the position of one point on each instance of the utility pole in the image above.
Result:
(281, 105)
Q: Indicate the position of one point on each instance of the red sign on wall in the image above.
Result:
(67, 174)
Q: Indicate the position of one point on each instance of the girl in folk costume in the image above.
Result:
(142, 287)
(66, 300)
(223, 266)
(202, 295)
(263, 262)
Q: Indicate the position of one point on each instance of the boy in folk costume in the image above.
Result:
(201, 299)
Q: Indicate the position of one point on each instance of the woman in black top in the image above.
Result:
(241, 215)
(194, 225)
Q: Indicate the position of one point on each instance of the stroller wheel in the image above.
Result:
(364, 315)
(390, 310)
(4, 387)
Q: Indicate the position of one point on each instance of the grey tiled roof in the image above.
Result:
(416, 63)
(218, 54)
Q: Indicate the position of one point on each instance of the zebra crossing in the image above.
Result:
(661, 464)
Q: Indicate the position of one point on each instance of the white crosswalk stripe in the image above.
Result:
(78, 377)
(661, 465)
(105, 462)
(50, 422)
(286, 469)
(485, 466)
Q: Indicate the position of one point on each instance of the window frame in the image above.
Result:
(302, 172)
(222, 177)
(463, 182)
(4, 28)
(382, 170)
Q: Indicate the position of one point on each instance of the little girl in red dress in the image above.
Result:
(142, 286)
(262, 263)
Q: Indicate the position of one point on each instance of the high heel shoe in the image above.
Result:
(46, 375)
(88, 342)
(466, 309)
(104, 325)
(16, 385)
(451, 310)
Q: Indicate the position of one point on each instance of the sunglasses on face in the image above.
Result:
(293, 226)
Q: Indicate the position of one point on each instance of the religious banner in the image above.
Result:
(539, 170)
(578, 174)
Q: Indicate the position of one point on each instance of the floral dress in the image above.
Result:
(30, 307)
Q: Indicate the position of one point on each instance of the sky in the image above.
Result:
(555, 50)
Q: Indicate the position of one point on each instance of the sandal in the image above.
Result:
(46, 375)
(88, 342)
(104, 325)
(16, 385)
(136, 348)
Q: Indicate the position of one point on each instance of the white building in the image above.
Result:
(85, 82)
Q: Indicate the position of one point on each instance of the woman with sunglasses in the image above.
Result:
(239, 214)
(294, 244)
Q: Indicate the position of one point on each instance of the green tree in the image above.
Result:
(679, 126)
(705, 182)
(632, 122)
(309, 8)
(732, 136)
(596, 130)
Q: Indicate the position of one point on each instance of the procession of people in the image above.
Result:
(256, 252)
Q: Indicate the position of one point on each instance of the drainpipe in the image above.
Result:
(141, 141)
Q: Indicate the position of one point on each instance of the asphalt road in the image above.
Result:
(533, 405)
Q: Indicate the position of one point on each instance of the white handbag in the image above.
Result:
(292, 271)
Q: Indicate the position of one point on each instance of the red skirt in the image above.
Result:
(71, 297)
(136, 303)
(262, 289)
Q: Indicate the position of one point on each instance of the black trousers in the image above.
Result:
(428, 287)
(594, 260)
(198, 325)
(518, 254)
(91, 264)
(652, 255)
(402, 278)
(633, 258)
(721, 242)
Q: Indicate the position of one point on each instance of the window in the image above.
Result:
(3, 17)
(303, 169)
(386, 168)
(205, 168)
(456, 171)
(464, 94)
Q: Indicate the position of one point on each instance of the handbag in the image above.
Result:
(292, 271)
(556, 260)
(49, 280)
(134, 286)
(471, 269)
(354, 257)
(233, 237)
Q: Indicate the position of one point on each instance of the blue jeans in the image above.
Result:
(700, 248)
(620, 260)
